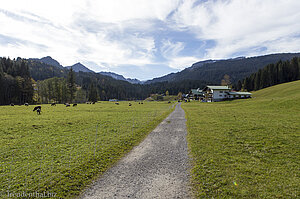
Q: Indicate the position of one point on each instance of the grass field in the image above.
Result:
(64, 149)
(247, 148)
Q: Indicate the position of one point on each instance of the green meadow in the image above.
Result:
(248, 148)
(65, 148)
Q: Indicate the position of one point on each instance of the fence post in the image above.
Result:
(95, 141)
(42, 159)
(9, 183)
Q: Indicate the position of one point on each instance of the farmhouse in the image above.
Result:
(215, 93)
(196, 94)
(239, 95)
(220, 93)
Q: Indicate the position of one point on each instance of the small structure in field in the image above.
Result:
(196, 94)
(219, 93)
(238, 95)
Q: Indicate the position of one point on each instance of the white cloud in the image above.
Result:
(171, 52)
(170, 49)
(182, 62)
(115, 33)
(238, 25)
(54, 24)
(115, 11)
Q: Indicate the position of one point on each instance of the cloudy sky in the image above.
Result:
(147, 38)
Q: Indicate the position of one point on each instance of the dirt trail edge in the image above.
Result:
(157, 168)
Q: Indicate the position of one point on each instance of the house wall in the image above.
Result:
(219, 94)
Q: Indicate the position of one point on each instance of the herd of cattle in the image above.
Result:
(38, 109)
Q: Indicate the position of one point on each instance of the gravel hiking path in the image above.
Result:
(157, 168)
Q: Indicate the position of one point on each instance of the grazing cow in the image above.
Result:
(26, 104)
(93, 102)
(12, 104)
(53, 104)
(129, 104)
(117, 103)
(74, 104)
(142, 103)
(38, 109)
(169, 102)
(67, 104)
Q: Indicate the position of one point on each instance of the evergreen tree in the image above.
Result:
(93, 94)
(239, 85)
(71, 85)
(273, 74)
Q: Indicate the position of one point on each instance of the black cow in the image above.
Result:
(117, 103)
(53, 104)
(67, 104)
(12, 104)
(74, 104)
(26, 104)
(38, 109)
(129, 104)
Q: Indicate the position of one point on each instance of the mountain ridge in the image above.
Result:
(214, 70)
(208, 70)
(78, 67)
(121, 77)
(48, 60)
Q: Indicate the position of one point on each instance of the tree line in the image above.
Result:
(27, 81)
(15, 82)
(34, 82)
(270, 75)
(18, 87)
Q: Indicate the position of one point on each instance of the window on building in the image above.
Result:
(221, 91)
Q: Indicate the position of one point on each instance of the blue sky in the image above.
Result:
(145, 39)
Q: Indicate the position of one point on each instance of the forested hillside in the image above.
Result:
(214, 70)
(37, 81)
(272, 74)
(15, 82)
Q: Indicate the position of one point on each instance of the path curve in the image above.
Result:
(157, 168)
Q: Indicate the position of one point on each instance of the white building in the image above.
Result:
(239, 95)
(220, 93)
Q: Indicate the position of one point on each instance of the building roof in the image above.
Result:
(196, 91)
(239, 93)
(217, 87)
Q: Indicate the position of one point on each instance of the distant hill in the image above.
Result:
(48, 60)
(78, 67)
(271, 74)
(121, 77)
(41, 71)
(214, 70)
